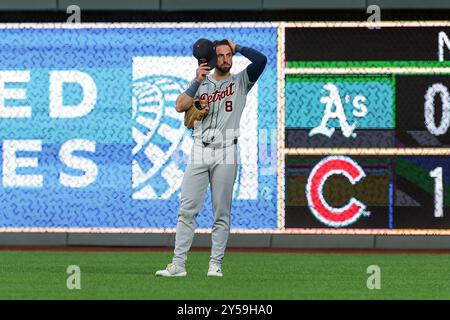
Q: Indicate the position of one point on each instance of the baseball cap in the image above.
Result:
(204, 51)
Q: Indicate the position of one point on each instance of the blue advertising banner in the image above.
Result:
(90, 137)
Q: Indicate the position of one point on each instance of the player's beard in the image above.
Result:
(225, 69)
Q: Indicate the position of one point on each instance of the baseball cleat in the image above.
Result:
(214, 270)
(172, 270)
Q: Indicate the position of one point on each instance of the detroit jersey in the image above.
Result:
(226, 100)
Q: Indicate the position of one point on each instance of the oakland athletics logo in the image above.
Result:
(334, 217)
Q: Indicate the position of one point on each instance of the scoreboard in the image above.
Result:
(366, 118)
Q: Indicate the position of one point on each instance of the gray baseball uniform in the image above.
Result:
(213, 160)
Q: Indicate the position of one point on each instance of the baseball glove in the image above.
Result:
(197, 112)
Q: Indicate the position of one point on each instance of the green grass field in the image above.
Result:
(247, 275)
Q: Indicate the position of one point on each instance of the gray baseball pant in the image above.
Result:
(207, 165)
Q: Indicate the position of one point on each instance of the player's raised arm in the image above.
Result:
(257, 58)
(184, 100)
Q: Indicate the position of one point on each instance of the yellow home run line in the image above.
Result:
(368, 151)
(371, 70)
(135, 25)
(247, 24)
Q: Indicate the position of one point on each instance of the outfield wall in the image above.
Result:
(93, 152)
(264, 241)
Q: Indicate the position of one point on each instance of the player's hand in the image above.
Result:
(202, 71)
(233, 46)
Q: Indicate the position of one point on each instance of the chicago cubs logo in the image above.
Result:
(334, 217)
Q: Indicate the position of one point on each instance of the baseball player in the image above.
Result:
(213, 158)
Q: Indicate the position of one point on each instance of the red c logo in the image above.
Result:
(334, 217)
